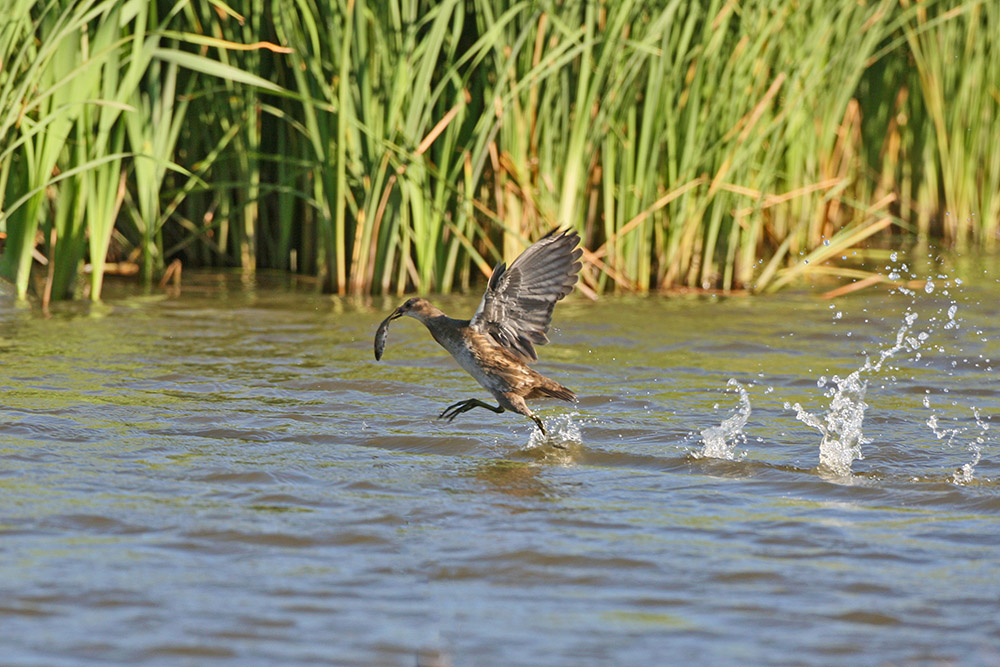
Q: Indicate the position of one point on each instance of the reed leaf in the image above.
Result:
(410, 145)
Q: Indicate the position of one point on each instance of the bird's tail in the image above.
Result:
(554, 390)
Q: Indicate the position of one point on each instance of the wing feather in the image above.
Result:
(516, 309)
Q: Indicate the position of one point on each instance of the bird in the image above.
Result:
(497, 344)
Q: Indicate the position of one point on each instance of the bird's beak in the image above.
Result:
(383, 332)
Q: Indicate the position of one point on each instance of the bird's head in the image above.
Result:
(417, 308)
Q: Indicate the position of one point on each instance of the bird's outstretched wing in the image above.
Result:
(517, 307)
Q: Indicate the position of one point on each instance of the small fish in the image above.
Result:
(383, 332)
(380, 336)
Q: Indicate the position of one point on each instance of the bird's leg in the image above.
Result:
(521, 407)
(539, 422)
(455, 410)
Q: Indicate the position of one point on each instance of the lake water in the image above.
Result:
(226, 475)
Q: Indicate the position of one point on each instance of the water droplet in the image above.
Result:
(720, 441)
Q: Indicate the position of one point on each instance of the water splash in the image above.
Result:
(841, 426)
(563, 433)
(720, 441)
(940, 432)
(965, 473)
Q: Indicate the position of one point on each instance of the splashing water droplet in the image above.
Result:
(563, 433)
(720, 441)
(952, 324)
(965, 474)
(841, 426)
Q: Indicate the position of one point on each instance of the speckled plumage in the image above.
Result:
(497, 344)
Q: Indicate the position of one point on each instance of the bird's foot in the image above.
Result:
(541, 427)
(456, 409)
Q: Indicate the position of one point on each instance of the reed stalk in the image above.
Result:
(410, 145)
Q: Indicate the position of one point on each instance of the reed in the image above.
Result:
(957, 72)
(89, 120)
(409, 145)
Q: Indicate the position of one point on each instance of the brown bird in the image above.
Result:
(498, 343)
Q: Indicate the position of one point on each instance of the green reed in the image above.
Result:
(409, 145)
(958, 70)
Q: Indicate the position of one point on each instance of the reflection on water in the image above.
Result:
(227, 475)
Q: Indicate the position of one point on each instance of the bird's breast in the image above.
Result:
(476, 360)
(496, 369)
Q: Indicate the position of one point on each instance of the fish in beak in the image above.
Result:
(383, 332)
